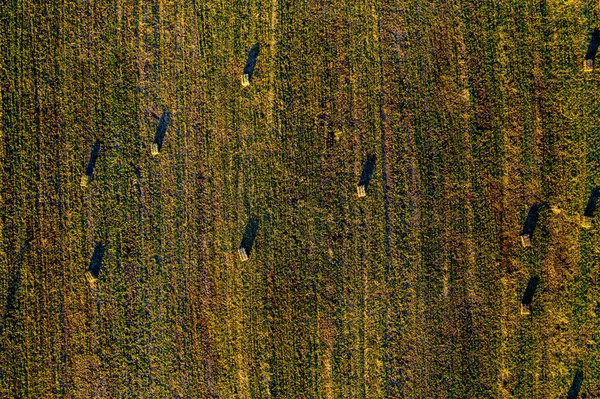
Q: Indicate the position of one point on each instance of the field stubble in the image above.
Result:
(473, 113)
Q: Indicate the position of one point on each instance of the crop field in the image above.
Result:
(469, 113)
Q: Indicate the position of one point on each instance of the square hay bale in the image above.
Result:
(243, 254)
(85, 180)
(91, 278)
(245, 80)
(360, 190)
(586, 222)
(588, 65)
(525, 308)
(526, 240)
(154, 149)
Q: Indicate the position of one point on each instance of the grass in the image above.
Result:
(473, 112)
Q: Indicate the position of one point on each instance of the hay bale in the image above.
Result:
(243, 254)
(245, 80)
(588, 65)
(526, 308)
(91, 278)
(360, 191)
(85, 180)
(526, 240)
(586, 222)
(154, 149)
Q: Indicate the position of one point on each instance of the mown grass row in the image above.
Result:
(411, 291)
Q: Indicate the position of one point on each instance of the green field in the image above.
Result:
(473, 110)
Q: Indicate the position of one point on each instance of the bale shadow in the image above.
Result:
(590, 207)
(576, 385)
(96, 261)
(250, 235)
(593, 47)
(251, 61)
(89, 170)
(161, 129)
(367, 171)
(329, 137)
(530, 290)
(531, 220)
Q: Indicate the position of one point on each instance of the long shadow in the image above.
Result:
(96, 261)
(530, 290)
(576, 385)
(251, 61)
(161, 129)
(531, 220)
(593, 47)
(367, 171)
(93, 157)
(590, 208)
(250, 235)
